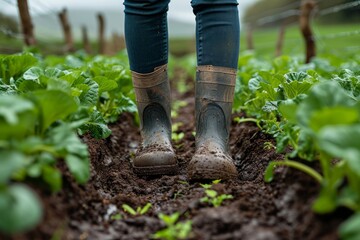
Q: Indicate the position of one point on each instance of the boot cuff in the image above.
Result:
(148, 80)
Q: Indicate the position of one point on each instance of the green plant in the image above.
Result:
(212, 197)
(116, 216)
(174, 229)
(176, 135)
(44, 104)
(139, 210)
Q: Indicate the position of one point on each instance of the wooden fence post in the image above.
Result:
(307, 7)
(101, 33)
(249, 37)
(26, 23)
(118, 42)
(280, 41)
(67, 30)
(85, 38)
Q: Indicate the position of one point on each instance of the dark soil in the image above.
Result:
(259, 210)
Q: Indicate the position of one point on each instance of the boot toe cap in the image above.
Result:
(210, 166)
(155, 163)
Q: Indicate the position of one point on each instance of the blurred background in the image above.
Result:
(335, 23)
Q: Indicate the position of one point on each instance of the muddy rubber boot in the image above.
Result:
(155, 155)
(214, 97)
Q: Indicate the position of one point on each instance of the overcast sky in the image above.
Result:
(179, 9)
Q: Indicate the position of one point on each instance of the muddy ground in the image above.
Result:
(258, 211)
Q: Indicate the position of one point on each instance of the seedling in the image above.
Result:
(176, 106)
(212, 196)
(139, 210)
(116, 217)
(269, 145)
(174, 230)
(175, 135)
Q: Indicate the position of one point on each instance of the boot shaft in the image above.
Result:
(152, 91)
(214, 89)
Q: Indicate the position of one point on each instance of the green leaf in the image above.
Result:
(10, 162)
(269, 172)
(15, 65)
(53, 73)
(350, 229)
(89, 95)
(128, 209)
(145, 209)
(293, 89)
(333, 116)
(211, 193)
(169, 220)
(217, 181)
(324, 95)
(11, 106)
(184, 229)
(96, 125)
(20, 209)
(105, 84)
(52, 176)
(33, 74)
(54, 105)
(326, 202)
(17, 117)
(342, 142)
(78, 167)
(73, 62)
(296, 76)
(288, 110)
(70, 147)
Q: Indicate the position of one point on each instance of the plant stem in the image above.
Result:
(242, 120)
(301, 167)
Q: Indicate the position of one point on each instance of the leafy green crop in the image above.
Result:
(44, 105)
(314, 111)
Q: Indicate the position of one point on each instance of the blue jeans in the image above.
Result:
(146, 33)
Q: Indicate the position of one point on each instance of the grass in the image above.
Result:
(265, 40)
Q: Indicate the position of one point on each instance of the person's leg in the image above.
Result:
(147, 45)
(217, 34)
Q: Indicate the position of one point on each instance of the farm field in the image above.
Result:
(83, 197)
(69, 126)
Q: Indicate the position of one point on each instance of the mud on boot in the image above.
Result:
(214, 96)
(155, 155)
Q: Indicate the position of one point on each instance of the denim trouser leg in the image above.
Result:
(217, 32)
(146, 34)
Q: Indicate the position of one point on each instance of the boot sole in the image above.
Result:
(156, 170)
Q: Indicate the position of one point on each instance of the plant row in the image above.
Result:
(313, 110)
(46, 104)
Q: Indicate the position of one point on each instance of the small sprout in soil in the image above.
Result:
(174, 230)
(138, 211)
(177, 136)
(269, 145)
(176, 106)
(212, 196)
(178, 194)
(116, 217)
(193, 133)
(183, 182)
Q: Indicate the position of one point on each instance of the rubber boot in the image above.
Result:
(214, 97)
(155, 155)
